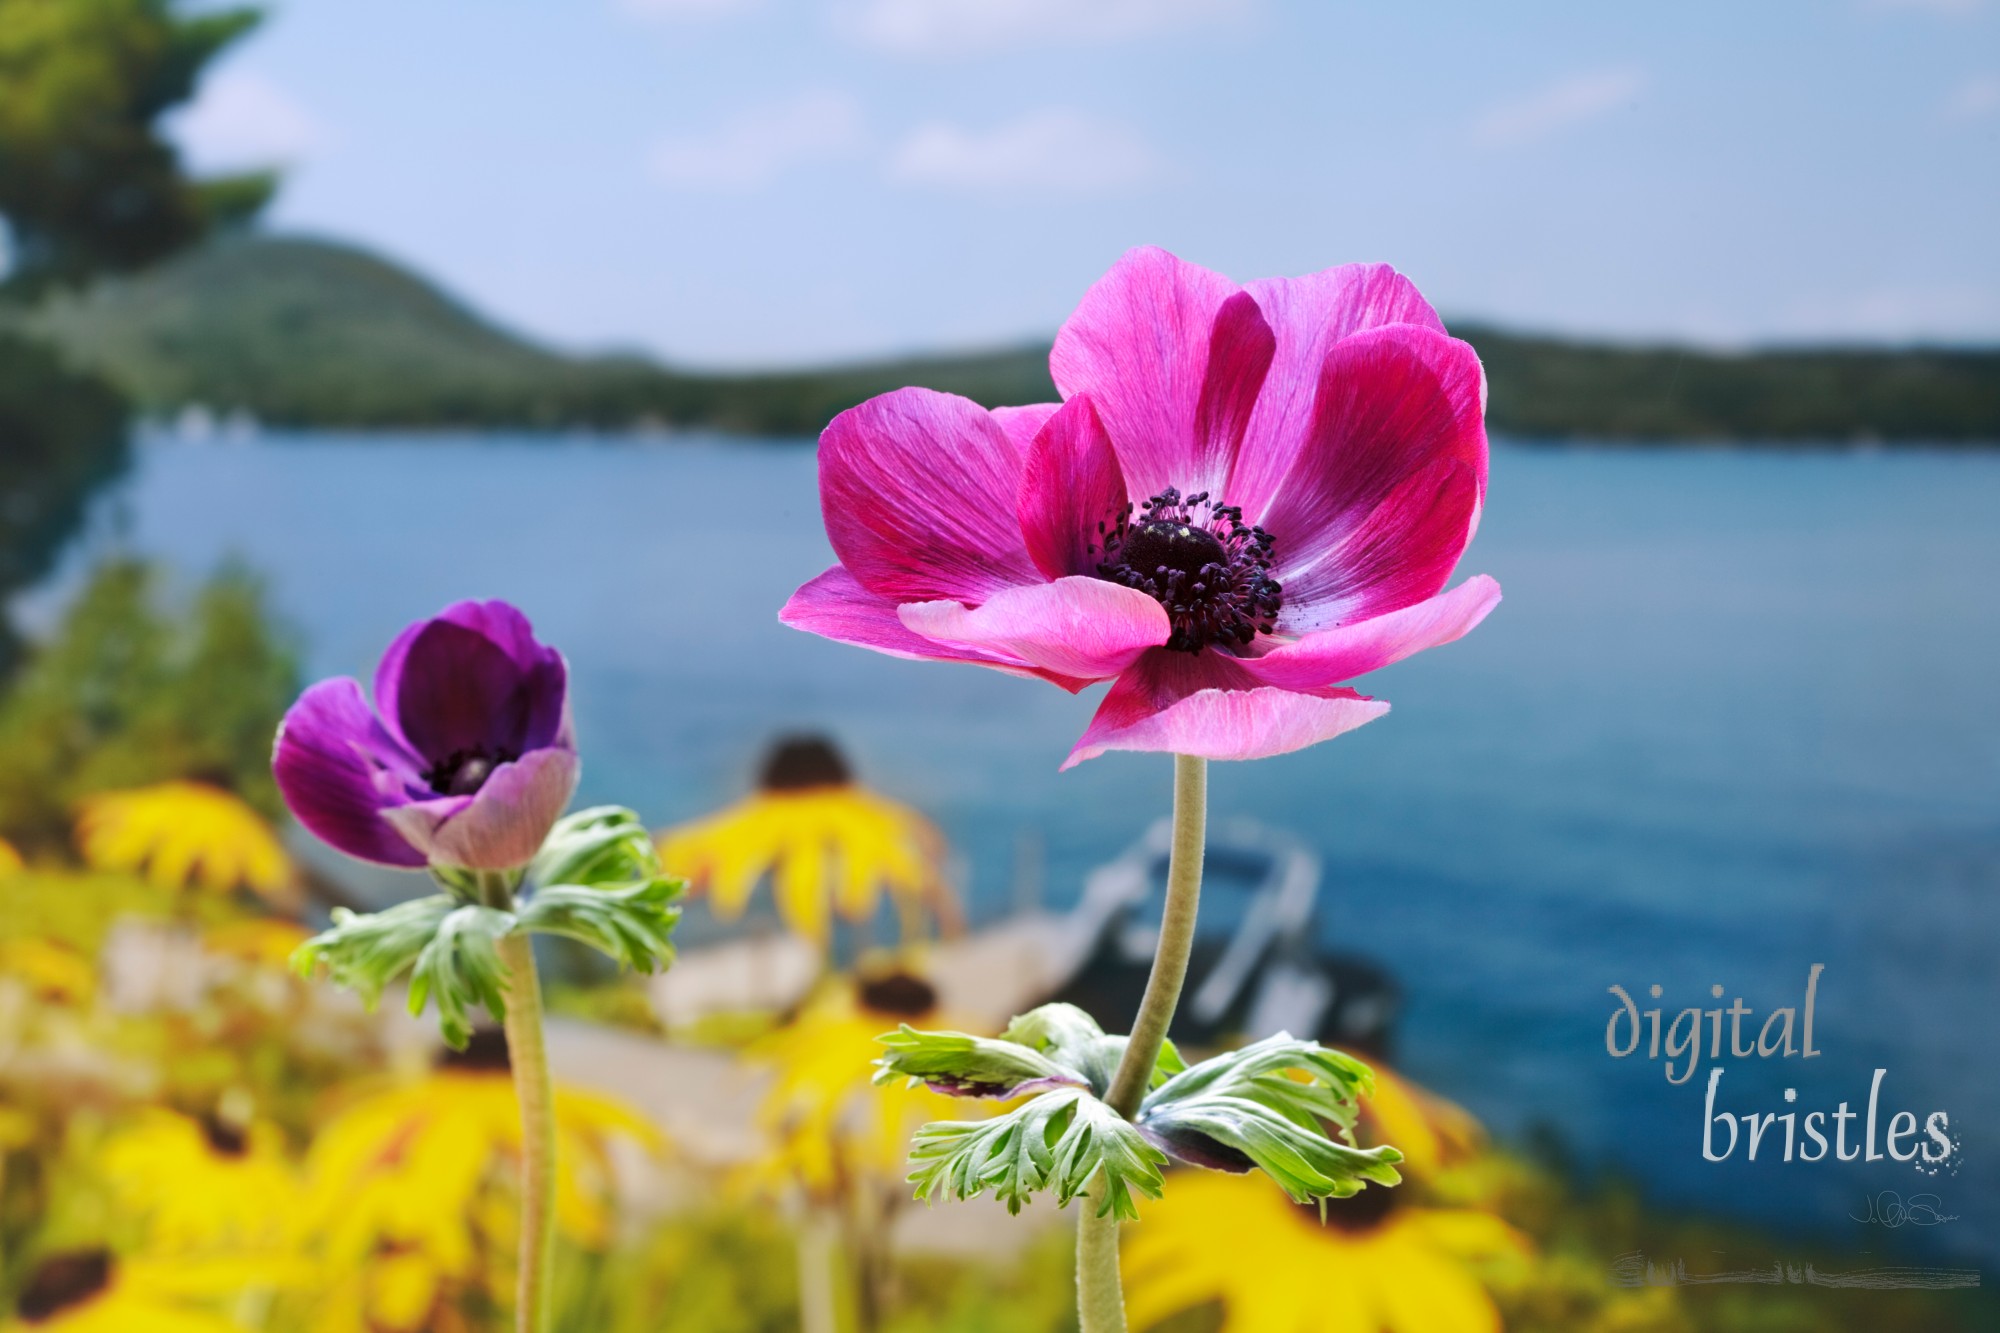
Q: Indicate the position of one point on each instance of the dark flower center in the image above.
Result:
(1199, 560)
(63, 1281)
(899, 995)
(224, 1138)
(799, 763)
(464, 772)
(485, 1053)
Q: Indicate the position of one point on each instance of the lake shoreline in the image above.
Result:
(150, 431)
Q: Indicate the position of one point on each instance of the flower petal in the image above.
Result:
(1070, 486)
(458, 691)
(503, 824)
(1207, 705)
(339, 769)
(1330, 656)
(1081, 627)
(1400, 555)
(1384, 494)
(1308, 316)
(917, 489)
(546, 719)
(1173, 355)
(1021, 424)
(837, 607)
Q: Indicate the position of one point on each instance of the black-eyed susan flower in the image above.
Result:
(94, 1291)
(836, 1145)
(406, 1187)
(1430, 1131)
(10, 860)
(182, 835)
(827, 1127)
(1372, 1266)
(827, 844)
(203, 1185)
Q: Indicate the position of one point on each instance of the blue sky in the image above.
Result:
(737, 182)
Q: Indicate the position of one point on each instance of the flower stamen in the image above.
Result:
(464, 772)
(1199, 560)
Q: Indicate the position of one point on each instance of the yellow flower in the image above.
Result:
(828, 1124)
(10, 860)
(827, 843)
(52, 973)
(203, 1185)
(1374, 1267)
(91, 1291)
(399, 1183)
(1431, 1133)
(185, 834)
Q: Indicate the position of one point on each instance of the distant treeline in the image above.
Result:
(1543, 387)
(306, 333)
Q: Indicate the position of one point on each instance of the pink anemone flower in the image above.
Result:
(1248, 496)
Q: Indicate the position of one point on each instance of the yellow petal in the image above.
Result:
(185, 835)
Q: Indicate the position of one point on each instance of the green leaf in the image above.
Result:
(598, 881)
(633, 925)
(593, 848)
(1062, 1141)
(967, 1066)
(449, 947)
(367, 952)
(1072, 1038)
(1245, 1109)
(1263, 1071)
(460, 967)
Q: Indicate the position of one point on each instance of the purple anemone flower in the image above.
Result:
(470, 762)
(1248, 496)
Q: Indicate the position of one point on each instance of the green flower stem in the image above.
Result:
(1100, 1294)
(528, 1055)
(1100, 1297)
(820, 1288)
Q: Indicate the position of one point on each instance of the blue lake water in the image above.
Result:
(1737, 716)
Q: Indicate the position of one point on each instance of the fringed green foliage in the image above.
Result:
(461, 967)
(1061, 1140)
(365, 952)
(633, 925)
(1284, 1105)
(596, 880)
(968, 1066)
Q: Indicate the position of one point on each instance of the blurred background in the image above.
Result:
(317, 316)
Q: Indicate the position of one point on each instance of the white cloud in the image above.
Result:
(241, 120)
(1975, 99)
(1064, 152)
(683, 9)
(756, 148)
(1573, 101)
(981, 27)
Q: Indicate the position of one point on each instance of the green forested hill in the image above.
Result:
(304, 332)
(309, 333)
